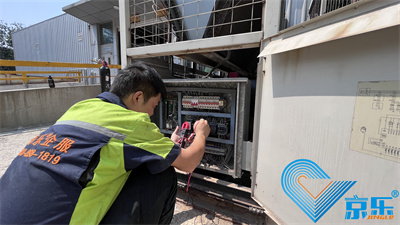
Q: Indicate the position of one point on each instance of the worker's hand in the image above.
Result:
(175, 135)
(201, 127)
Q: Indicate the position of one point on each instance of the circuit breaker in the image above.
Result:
(224, 103)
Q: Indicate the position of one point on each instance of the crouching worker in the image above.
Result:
(103, 161)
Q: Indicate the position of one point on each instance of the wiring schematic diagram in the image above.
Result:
(376, 120)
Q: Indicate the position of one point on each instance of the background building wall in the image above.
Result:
(61, 39)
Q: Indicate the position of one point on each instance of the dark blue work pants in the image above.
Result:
(145, 199)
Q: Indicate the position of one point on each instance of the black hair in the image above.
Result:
(138, 77)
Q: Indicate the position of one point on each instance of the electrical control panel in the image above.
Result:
(224, 104)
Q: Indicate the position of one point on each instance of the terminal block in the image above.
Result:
(203, 102)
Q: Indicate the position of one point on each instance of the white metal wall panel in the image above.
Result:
(61, 39)
(307, 110)
(379, 19)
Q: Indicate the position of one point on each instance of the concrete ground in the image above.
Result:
(12, 142)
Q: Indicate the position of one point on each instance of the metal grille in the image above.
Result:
(299, 11)
(165, 21)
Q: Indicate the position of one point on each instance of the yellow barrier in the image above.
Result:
(52, 64)
(25, 78)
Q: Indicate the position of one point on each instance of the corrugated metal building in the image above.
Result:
(64, 38)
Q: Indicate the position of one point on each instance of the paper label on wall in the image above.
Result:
(376, 120)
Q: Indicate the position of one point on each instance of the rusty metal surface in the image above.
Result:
(197, 207)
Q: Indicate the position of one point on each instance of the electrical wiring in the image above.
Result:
(185, 139)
